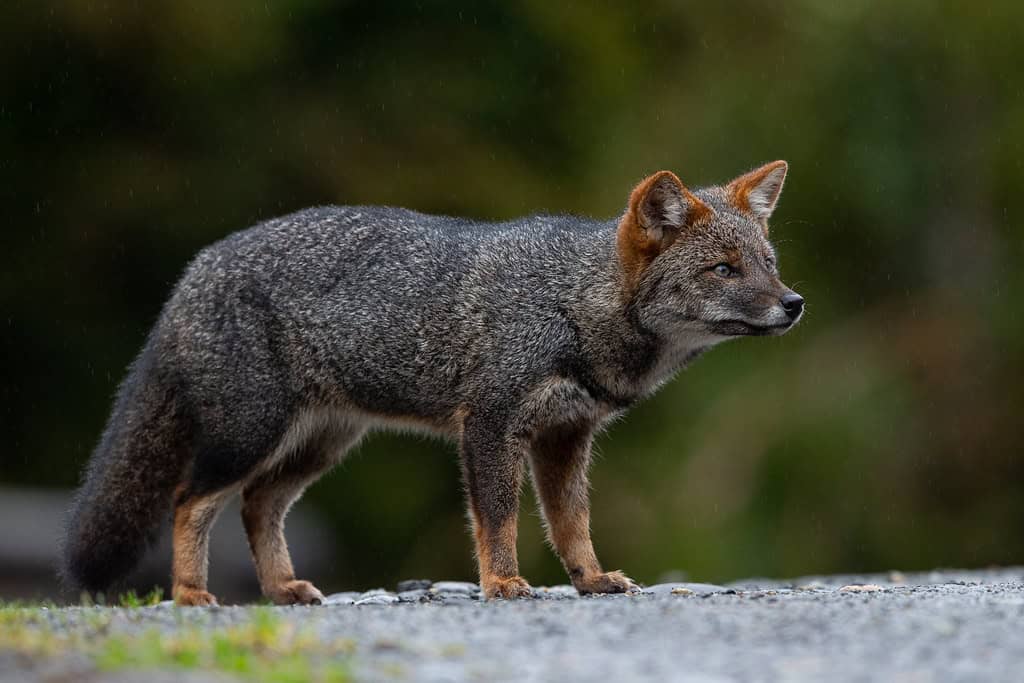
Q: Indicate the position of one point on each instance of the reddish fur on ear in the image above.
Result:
(659, 207)
(757, 192)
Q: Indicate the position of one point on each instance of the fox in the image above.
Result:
(284, 344)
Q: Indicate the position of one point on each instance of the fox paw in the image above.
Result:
(193, 597)
(295, 593)
(507, 589)
(608, 582)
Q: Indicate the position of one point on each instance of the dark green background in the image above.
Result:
(883, 432)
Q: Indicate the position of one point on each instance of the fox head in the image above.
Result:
(699, 264)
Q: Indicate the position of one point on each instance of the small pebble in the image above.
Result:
(556, 592)
(377, 599)
(414, 595)
(860, 588)
(609, 596)
(812, 586)
(696, 588)
(346, 598)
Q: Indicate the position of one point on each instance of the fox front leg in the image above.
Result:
(560, 459)
(493, 467)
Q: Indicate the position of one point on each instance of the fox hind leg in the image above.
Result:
(266, 500)
(194, 516)
(265, 503)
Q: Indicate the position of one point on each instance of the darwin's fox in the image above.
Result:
(283, 344)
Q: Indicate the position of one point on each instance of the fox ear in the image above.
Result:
(659, 208)
(757, 192)
(659, 205)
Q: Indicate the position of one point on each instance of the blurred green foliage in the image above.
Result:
(884, 432)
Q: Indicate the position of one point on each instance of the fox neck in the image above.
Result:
(628, 359)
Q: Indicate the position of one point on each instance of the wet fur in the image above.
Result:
(283, 344)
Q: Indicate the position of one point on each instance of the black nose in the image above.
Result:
(792, 304)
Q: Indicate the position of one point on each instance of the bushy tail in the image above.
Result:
(129, 482)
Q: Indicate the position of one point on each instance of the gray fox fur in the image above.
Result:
(282, 345)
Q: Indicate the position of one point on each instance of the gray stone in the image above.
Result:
(377, 599)
(456, 598)
(413, 585)
(414, 595)
(346, 598)
(455, 587)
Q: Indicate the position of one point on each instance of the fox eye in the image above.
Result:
(724, 270)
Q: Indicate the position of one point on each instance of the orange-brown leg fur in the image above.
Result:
(265, 503)
(193, 519)
(496, 554)
(267, 498)
(560, 459)
(494, 475)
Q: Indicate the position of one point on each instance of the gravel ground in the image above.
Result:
(938, 626)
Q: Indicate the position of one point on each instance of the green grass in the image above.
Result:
(153, 597)
(264, 648)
